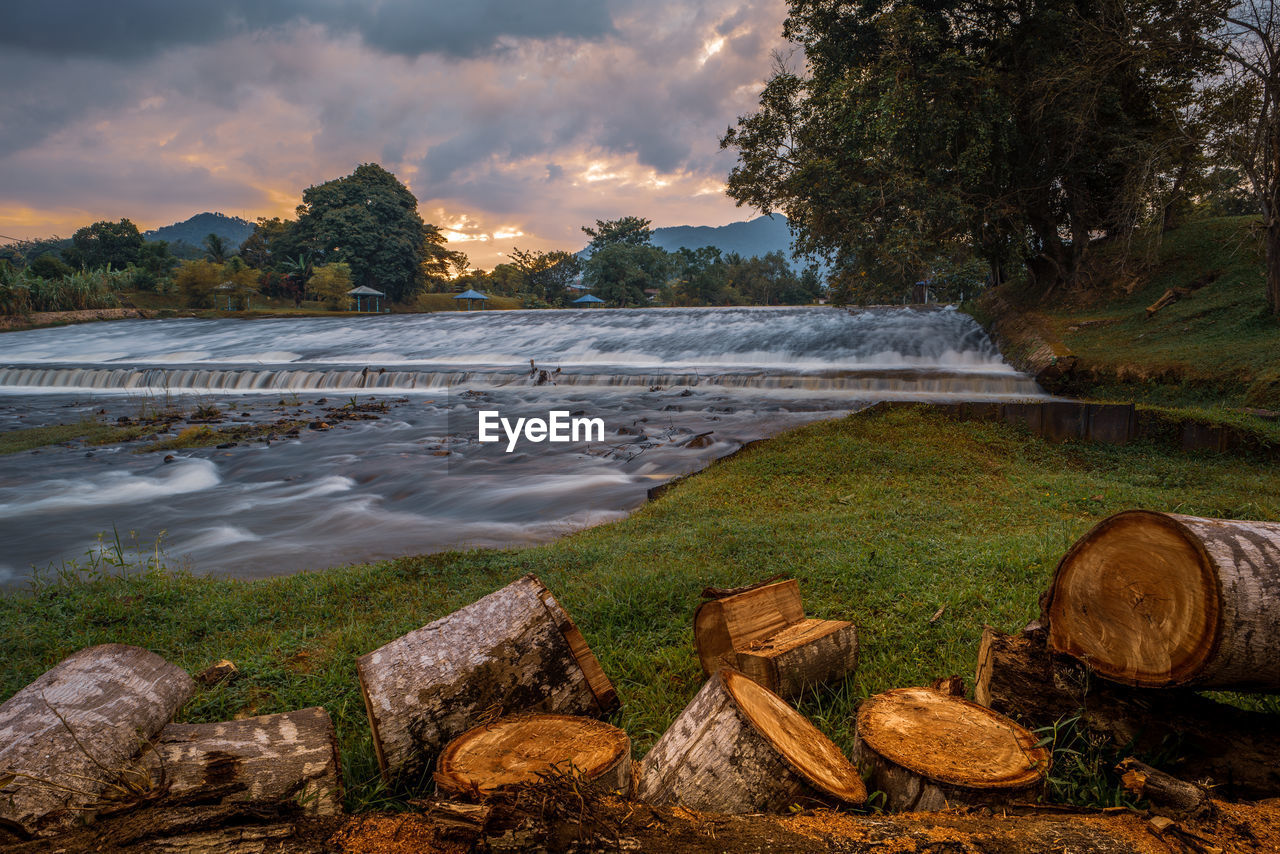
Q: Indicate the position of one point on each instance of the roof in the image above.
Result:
(471, 293)
(588, 298)
(365, 291)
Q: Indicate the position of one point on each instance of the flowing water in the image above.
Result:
(416, 479)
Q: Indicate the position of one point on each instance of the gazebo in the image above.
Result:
(364, 291)
(588, 301)
(471, 295)
(230, 289)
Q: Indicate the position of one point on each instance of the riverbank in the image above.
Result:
(887, 518)
(1178, 319)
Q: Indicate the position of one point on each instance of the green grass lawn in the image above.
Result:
(885, 517)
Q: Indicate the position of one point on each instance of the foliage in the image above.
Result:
(330, 284)
(547, 275)
(198, 281)
(49, 267)
(925, 132)
(105, 244)
(629, 230)
(370, 221)
(21, 292)
(620, 272)
(883, 517)
(215, 248)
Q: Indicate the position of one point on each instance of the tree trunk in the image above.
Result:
(71, 735)
(1167, 794)
(929, 751)
(762, 631)
(525, 748)
(1238, 750)
(1272, 238)
(515, 650)
(739, 748)
(290, 757)
(1162, 600)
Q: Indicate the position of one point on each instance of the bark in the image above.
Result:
(738, 748)
(1273, 264)
(1168, 794)
(515, 650)
(925, 750)
(1238, 751)
(762, 631)
(67, 740)
(522, 750)
(1162, 600)
(290, 757)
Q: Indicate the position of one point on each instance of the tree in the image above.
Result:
(105, 244)
(620, 272)
(370, 221)
(49, 267)
(216, 249)
(702, 276)
(197, 281)
(1245, 111)
(925, 132)
(330, 284)
(547, 275)
(629, 231)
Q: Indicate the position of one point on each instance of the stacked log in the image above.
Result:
(1159, 600)
(68, 740)
(762, 631)
(524, 749)
(739, 748)
(515, 650)
(926, 750)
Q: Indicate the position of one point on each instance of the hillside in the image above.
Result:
(759, 236)
(193, 231)
(1216, 345)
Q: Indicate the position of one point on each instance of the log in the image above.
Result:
(523, 749)
(282, 758)
(515, 650)
(68, 739)
(926, 750)
(1238, 751)
(762, 631)
(1162, 600)
(739, 748)
(1167, 794)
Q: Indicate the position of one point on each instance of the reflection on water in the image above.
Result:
(415, 479)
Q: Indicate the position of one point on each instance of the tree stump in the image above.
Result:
(739, 748)
(283, 758)
(762, 631)
(929, 751)
(515, 650)
(68, 739)
(1162, 600)
(1238, 750)
(525, 748)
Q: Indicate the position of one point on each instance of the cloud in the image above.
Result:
(537, 127)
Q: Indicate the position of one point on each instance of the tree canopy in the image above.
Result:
(105, 244)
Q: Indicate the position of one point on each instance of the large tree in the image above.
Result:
(547, 275)
(369, 221)
(1244, 111)
(922, 132)
(105, 244)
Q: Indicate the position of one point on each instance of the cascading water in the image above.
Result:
(416, 479)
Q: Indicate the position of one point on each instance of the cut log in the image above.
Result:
(68, 738)
(283, 758)
(1162, 600)
(739, 748)
(1168, 794)
(1238, 751)
(762, 631)
(523, 749)
(929, 751)
(515, 650)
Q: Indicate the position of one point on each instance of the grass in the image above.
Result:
(884, 517)
(88, 431)
(1206, 349)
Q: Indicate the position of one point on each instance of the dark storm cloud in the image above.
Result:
(132, 29)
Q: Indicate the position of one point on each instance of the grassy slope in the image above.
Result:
(1204, 349)
(884, 517)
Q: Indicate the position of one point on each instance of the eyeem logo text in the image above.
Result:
(558, 427)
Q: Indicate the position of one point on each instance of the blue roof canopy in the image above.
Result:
(588, 298)
(471, 294)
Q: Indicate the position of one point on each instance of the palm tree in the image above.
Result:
(215, 249)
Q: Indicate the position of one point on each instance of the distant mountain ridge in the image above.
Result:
(755, 237)
(193, 231)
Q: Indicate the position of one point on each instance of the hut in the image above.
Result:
(588, 301)
(471, 295)
(361, 293)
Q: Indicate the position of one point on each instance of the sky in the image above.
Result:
(514, 122)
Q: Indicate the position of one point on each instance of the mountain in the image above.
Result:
(759, 236)
(192, 232)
